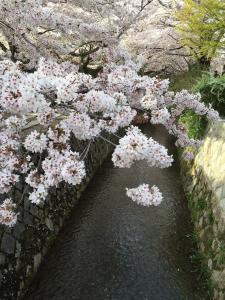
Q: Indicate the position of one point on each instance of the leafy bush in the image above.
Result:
(195, 124)
(212, 90)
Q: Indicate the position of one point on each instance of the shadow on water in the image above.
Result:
(110, 248)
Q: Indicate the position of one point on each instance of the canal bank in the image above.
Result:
(204, 183)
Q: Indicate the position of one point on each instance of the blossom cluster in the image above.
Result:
(166, 108)
(43, 107)
(7, 214)
(135, 146)
(41, 110)
(145, 196)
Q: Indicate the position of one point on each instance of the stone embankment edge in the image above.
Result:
(204, 185)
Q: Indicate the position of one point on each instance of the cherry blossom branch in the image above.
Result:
(108, 141)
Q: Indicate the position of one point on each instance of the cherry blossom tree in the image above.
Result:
(63, 29)
(43, 108)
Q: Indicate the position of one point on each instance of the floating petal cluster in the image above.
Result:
(145, 196)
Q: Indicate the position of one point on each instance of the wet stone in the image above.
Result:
(28, 218)
(34, 210)
(18, 249)
(37, 261)
(28, 270)
(28, 238)
(8, 244)
(49, 224)
(19, 229)
(2, 259)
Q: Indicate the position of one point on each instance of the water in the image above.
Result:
(110, 248)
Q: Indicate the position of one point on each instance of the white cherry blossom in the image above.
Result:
(144, 195)
(36, 142)
(7, 215)
(64, 76)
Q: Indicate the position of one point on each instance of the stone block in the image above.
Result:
(221, 295)
(8, 244)
(218, 278)
(34, 210)
(27, 204)
(18, 249)
(2, 259)
(18, 230)
(49, 224)
(28, 270)
(210, 264)
(28, 218)
(219, 192)
(37, 261)
(223, 189)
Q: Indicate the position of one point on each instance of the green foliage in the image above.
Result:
(200, 260)
(195, 124)
(211, 217)
(212, 90)
(202, 27)
(197, 207)
(186, 80)
(201, 204)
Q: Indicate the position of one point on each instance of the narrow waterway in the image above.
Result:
(110, 248)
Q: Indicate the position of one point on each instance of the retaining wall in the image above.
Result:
(204, 183)
(23, 247)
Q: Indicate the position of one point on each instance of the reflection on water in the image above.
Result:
(110, 248)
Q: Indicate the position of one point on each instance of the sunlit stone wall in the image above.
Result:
(204, 182)
(23, 247)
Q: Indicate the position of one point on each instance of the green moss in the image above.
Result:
(200, 262)
(211, 218)
(197, 207)
(201, 204)
(196, 125)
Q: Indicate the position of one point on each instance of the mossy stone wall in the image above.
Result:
(204, 183)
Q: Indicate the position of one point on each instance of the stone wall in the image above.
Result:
(204, 183)
(23, 247)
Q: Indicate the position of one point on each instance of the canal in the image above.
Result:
(110, 248)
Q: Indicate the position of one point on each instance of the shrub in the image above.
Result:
(212, 90)
(195, 124)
